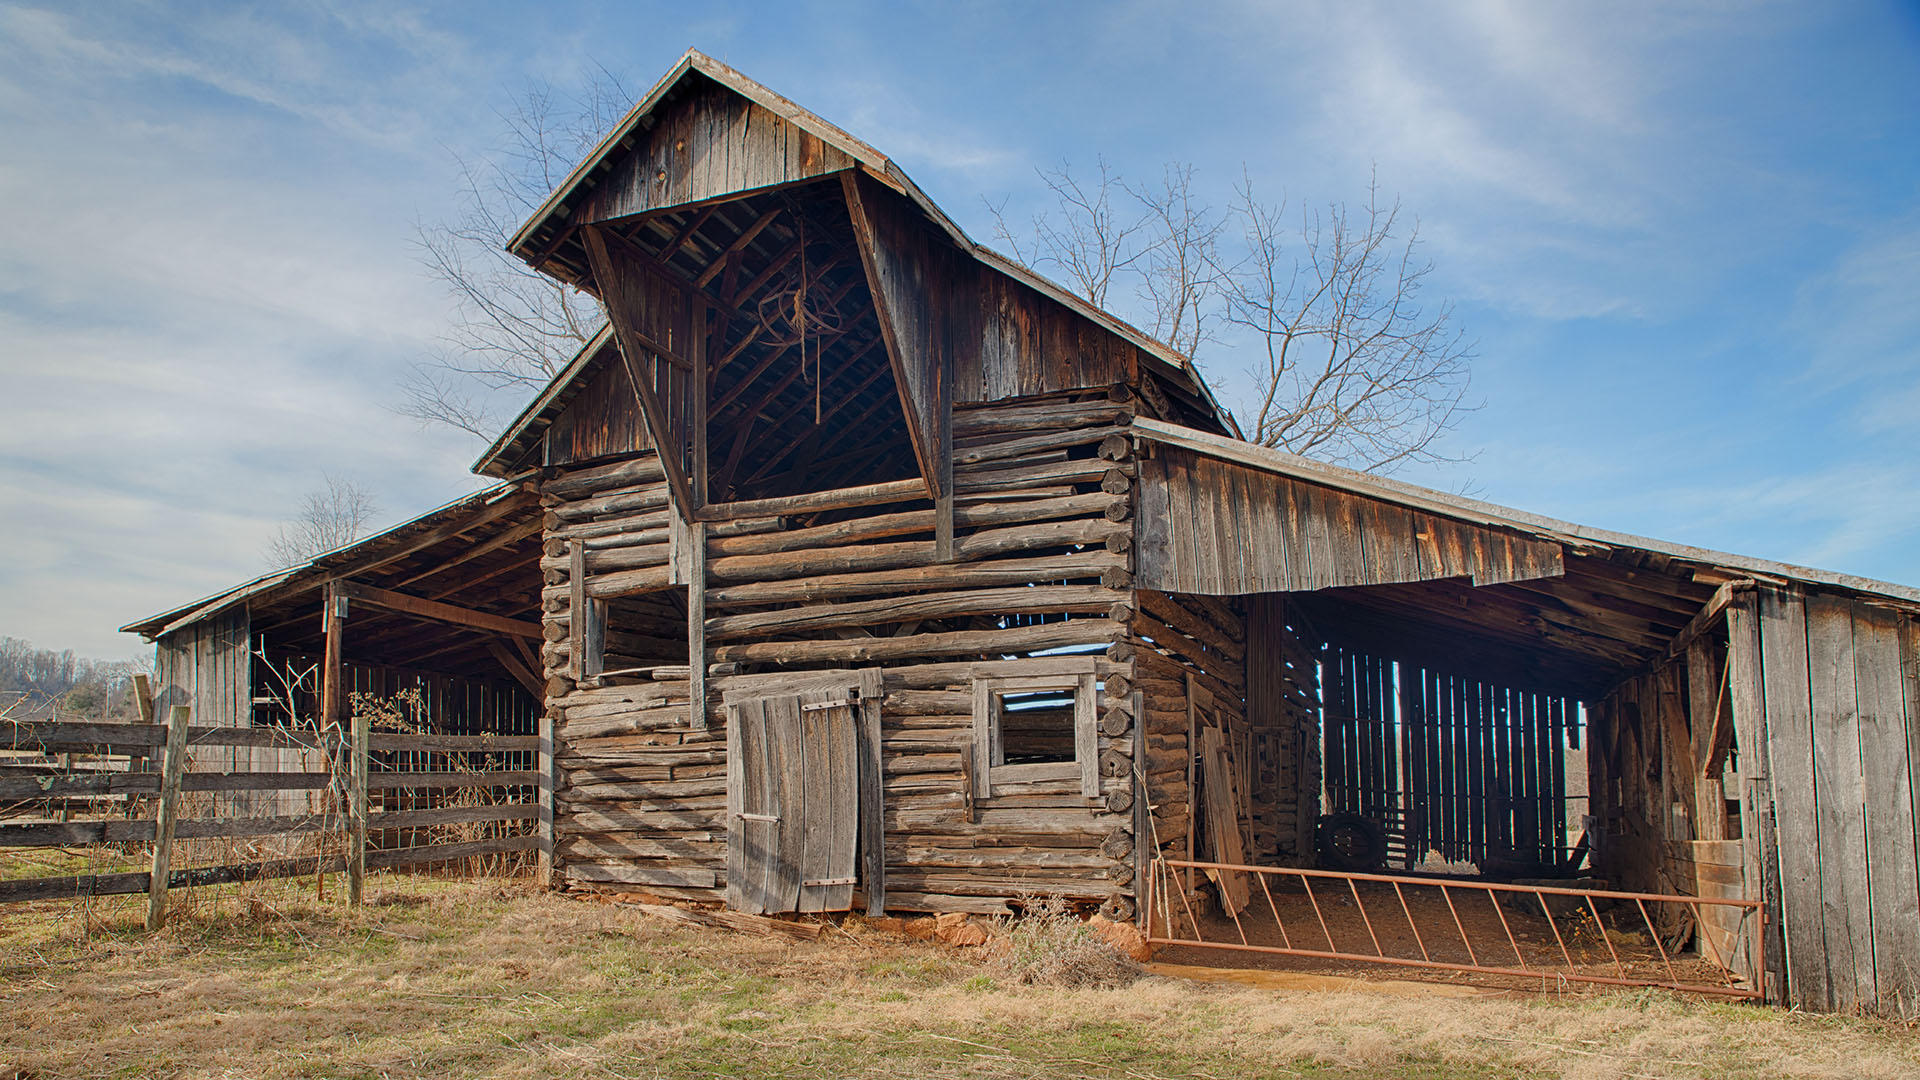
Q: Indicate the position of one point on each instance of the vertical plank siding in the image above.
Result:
(919, 292)
(1446, 763)
(602, 419)
(1827, 686)
(1220, 528)
(1887, 793)
(710, 143)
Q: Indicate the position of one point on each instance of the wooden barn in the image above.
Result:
(856, 566)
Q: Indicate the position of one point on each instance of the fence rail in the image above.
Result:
(1531, 942)
(132, 790)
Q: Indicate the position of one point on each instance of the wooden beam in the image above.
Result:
(506, 539)
(697, 624)
(528, 561)
(778, 264)
(739, 244)
(837, 499)
(842, 400)
(333, 611)
(679, 239)
(772, 357)
(935, 460)
(1709, 615)
(632, 346)
(437, 610)
(516, 668)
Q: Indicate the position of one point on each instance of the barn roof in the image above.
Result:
(472, 551)
(548, 233)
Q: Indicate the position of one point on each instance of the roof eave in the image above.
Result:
(489, 463)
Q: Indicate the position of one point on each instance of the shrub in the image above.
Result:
(1048, 945)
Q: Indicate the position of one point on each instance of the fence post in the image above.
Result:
(172, 765)
(543, 793)
(142, 700)
(357, 837)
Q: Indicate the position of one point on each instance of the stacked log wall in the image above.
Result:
(640, 792)
(1178, 639)
(1283, 709)
(1041, 563)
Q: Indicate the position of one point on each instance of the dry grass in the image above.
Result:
(478, 980)
(1048, 945)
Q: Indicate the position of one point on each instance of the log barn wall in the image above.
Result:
(809, 597)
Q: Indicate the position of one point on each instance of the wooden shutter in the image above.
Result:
(793, 803)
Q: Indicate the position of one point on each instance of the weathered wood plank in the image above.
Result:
(1892, 881)
(1790, 767)
(1839, 790)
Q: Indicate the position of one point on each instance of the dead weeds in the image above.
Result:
(451, 979)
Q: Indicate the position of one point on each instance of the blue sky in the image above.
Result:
(1685, 236)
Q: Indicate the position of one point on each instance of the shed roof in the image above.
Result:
(487, 536)
(1579, 538)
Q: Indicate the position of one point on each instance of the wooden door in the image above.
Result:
(793, 789)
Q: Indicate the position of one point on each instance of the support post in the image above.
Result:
(544, 793)
(697, 624)
(142, 700)
(172, 765)
(872, 796)
(333, 615)
(943, 527)
(333, 612)
(357, 836)
(697, 530)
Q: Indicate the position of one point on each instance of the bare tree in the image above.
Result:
(513, 327)
(335, 516)
(1180, 269)
(1352, 368)
(1091, 241)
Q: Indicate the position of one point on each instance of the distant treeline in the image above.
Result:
(78, 684)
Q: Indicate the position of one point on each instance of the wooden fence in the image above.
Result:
(380, 800)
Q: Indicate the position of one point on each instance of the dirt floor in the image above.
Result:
(487, 980)
(1420, 923)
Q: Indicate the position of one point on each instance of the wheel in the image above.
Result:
(1351, 842)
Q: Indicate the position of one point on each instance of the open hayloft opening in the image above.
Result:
(800, 394)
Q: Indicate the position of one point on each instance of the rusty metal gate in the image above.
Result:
(1554, 935)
